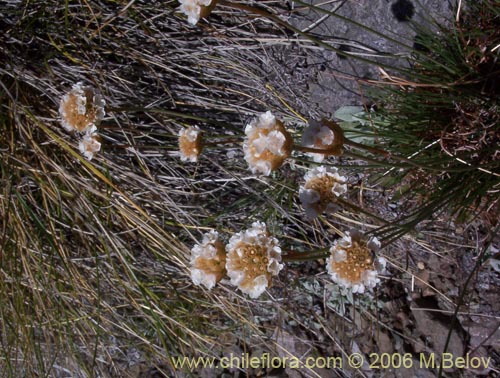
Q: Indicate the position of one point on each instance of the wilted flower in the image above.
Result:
(190, 143)
(90, 144)
(253, 258)
(267, 144)
(208, 261)
(81, 108)
(321, 189)
(196, 9)
(324, 135)
(352, 263)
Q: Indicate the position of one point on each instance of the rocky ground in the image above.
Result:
(332, 86)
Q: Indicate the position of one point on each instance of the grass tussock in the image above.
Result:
(439, 124)
(94, 255)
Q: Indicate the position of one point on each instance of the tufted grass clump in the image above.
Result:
(439, 126)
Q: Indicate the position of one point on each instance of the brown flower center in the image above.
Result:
(275, 160)
(359, 258)
(78, 121)
(216, 265)
(253, 262)
(190, 147)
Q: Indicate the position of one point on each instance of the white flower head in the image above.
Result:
(352, 263)
(267, 144)
(81, 108)
(89, 144)
(253, 257)
(208, 261)
(190, 143)
(196, 9)
(320, 191)
(323, 135)
(319, 136)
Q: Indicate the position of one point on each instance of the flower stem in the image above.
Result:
(359, 209)
(324, 151)
(291, 256)
(138, 147)
(222, 142)
(168, 112)
(373, 150)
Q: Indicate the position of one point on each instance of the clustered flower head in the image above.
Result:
(250, 259)
(320, 191)
(196, 9)
(90, 144)
(319, 136)
(190, 143)
(253, 257)
(82, 110)
(352, 263)
(208, 261)
(267, 144)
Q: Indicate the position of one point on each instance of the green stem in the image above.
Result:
(222, 142)
(160, 111)
(359, 209)
(324, 151)
(137, 147)
(401, 159)
(373, 150)
(291, 256)
(373, 161)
